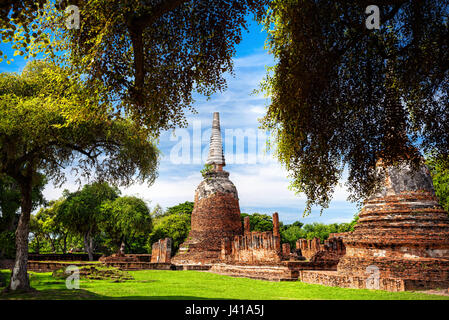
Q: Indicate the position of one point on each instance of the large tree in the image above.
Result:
(344, 96)
(173, 223)
(125, 219)
(48, 125)
(80, 211)
(151, 55)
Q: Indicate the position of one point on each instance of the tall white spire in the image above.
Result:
(216, 155)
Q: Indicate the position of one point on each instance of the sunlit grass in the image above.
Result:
(152, 284)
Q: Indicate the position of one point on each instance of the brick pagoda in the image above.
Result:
(216, 212)
(401, 241)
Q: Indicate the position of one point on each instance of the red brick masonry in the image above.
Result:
(310, 247)
(254, 247)
(161, 251)
(401, 241)
(215, 216)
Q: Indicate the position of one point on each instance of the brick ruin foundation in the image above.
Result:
(312, 249)
(160, 258)
(261, 255)
(254, 247)
(61, 256)
(401, 241)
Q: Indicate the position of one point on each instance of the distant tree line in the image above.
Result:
(290, 233)
(95, 218)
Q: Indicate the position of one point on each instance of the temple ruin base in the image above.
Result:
(336, 279)
(284, 271)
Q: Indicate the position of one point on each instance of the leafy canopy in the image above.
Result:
(343, 96)
(50, 121)
(440, 177)
(150, 55)
(175, 226)
(258, 222)
(186, 207)
(81, 211)
(292, 232)
(10, 200)
(125, 219)
(48, 233)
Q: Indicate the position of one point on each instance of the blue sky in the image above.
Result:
(261, 182)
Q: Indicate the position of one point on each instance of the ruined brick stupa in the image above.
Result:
(402, 231)
(401, 241)
(216, 212)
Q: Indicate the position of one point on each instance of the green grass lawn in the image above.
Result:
(151, 284)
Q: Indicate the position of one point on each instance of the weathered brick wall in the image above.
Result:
(61, 257)
(333, 246)
(140, 266)
(309, 247)
(334, 279)
(416, 269)
(338, 235)
(125, 258)
(48, 266)
(265, 272)
(284, 271)
(255, 247)
(286, 251)
(161, 251)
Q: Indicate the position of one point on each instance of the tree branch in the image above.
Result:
(136, 26)
(156, 12)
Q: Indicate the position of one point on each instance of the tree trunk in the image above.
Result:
(91, 248)
(88, 245)
(52, 244)
(64, 249)
(38, 245)
(19, 275)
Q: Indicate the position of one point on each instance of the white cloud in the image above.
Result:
(258, 109)
(258, 60)
(166, 191)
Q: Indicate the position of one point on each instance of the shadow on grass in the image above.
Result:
(52, 294)
(62, 293)
(81, 294)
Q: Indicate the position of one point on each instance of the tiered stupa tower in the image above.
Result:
(216, 211)
(402, 233)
